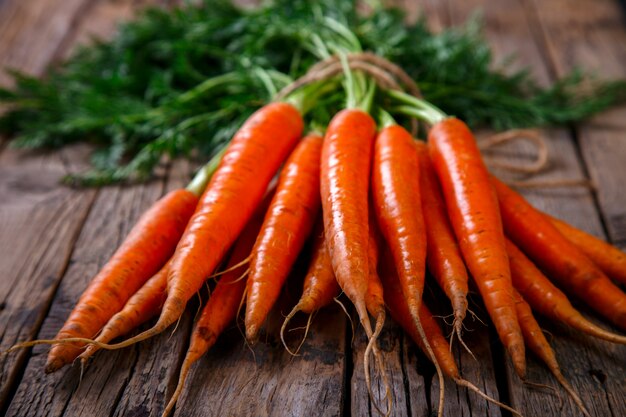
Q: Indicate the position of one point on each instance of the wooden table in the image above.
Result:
(53, 239)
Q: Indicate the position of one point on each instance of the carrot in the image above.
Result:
(223, 304)
(536, 341)
(346, 156)
(475, 218)
(236, 189)
(397, 200)
(443, 256)
(609, 259)
(141, 307)
(547, 299)
(535, 235)
(147, 247)
(345, 170)
(399, 310)
(320, 285)
(288, 223)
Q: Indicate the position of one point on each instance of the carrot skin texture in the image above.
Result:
(287, 225)
(150, 243)
(374, 299)
(609, 259)
(236, 189)
(443, 256)
(535, 235)
(141, 307)
(546, 299)
(345, 168)
(473, 211)
(320, 285)
(396, 195)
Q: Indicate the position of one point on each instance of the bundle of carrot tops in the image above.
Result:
(335, 157)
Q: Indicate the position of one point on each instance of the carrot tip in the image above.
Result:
(54, 365)
(252, 333)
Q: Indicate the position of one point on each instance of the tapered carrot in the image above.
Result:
(474, 215)
(537, 343)
(144, 251)
(346, 156)
(236, 189)
(397, 199)
(223, 303)
(320, 285)
(610, 259)
(344, 185)
(141, 307)
(535, 235)
(287, 225)
(399, 310)
(443, 256)
(548, 300)
(375, 302)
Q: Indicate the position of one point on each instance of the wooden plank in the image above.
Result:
(592, 36)
(508, 31)
(233, 379)
(128, 204)
(39, 218)
(390, 344)
(31, 32)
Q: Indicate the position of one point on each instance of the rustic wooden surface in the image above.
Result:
(52, 239)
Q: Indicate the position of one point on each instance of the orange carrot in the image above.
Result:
(443, 256)
(536, 341)
(474, 215)
(223, 304)
(374, 300)
(345, 170)
(141, 307)
(147, 247)
(399, 310)
(320, 285)
(609, 259)
(287, 225)
(346, 156)
(535, 235)
(547, 299)
(236, 189)
(397, 199)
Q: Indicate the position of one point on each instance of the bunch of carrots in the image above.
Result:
(381, 208)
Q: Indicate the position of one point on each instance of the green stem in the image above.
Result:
(202, 178)
(208, 85)
(417, 108)
(385, 119)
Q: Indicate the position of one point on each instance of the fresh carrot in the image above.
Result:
(236, 189)
(320, 285)
(345, 171)
(147, 247)
(535, 235)
(141, 307)
(609, 259)
(397, 200)
(287, 225)
(548, 300)
(399, 310)
(443, 256)
(536, 341)
(223, 304)
(375, 302)
(474, 215)
(346, 156)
